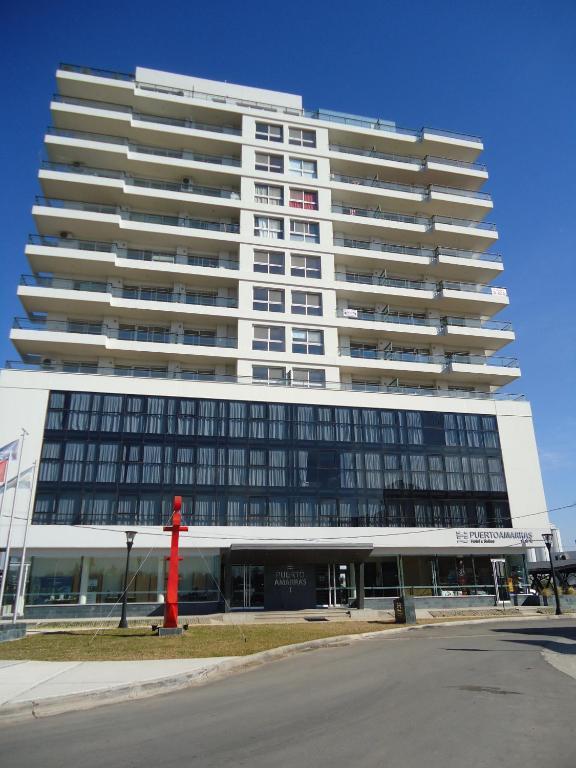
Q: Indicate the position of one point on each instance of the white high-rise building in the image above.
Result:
(288, 317)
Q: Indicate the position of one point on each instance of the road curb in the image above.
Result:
(56, 705)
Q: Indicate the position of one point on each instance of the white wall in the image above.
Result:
(219, 88)
(522, 466)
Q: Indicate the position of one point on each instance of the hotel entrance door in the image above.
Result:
(332, 585)
(247, 587)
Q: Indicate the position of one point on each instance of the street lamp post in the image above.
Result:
(130, 535)
(548, 541)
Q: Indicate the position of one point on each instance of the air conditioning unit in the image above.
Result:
(47, 362)
(122, 244)
(186, 180)
(64, 235)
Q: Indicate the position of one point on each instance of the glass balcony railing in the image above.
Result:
(95, 72)
(139, 254)
(466, 223)
(424, 192)
(469, 359)
(318, 114)
(139, 216)
(152, 371)
(394, 158)
(456, 163)
(345, 241)
(429, 222)
(178, 154)
(458, 253)
(146, 118)
(187, 188)
(148, 335)
(418, 162)
(490, 290)
(371, 315)
(473, 322)
(373, 352)
(369, 278)
(136, 293)
(374, 213)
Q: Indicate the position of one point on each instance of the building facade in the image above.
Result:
(287, 318)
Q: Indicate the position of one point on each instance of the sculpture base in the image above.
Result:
(169, 631)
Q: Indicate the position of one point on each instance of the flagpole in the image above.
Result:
(20, 586)
(9, 537)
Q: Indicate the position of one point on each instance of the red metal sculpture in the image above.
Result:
(171, 605)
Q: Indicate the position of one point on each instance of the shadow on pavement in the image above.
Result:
(544, 637)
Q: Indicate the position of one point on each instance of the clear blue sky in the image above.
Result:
(503, 70)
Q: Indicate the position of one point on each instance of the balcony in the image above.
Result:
(121, 150)
(60, 180)
(446, 295)
(356, 160)
(156, 122)
(97, 221)
(47, 293)
(465, 367)
(43, 336)
(440, 261)
(49, 367)
(454, 232)
(415, 328)
(42, 252)
(408, 197)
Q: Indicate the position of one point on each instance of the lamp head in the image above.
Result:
(130, 536)
(547, 539)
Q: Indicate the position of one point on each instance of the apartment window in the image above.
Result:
(269, 163)
(264, 226)
(204, 337)
(150, 333)
(198, 374)
(308, 377)
(301, 137)
(268, 338)
(269, 132)
(268, 300)
(304, 198)
(306, 303)
(268, 374)
(268, 195)
(361, 349)
(307, 341)
(365, 385)
(75, 366)
(270, 262)
(140, 371)
(305, 231)
(300, 167)
(305, 266)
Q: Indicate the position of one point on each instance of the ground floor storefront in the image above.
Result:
(259, 579)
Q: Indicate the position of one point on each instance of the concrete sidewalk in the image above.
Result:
(26, 680)
(35, 688)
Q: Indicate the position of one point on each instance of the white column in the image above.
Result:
(84, 574)
(160, 580)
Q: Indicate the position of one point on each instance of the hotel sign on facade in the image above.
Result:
(493, 537)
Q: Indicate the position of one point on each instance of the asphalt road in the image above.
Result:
(442, 697)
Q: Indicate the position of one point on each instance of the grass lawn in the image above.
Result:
(198, 642)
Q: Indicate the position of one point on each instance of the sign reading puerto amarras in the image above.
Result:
(498, 536)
